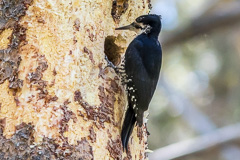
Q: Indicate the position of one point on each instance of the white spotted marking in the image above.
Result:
(130, 88)
(132, 98)
(134, 106)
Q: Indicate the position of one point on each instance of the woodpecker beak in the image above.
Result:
(133, 26)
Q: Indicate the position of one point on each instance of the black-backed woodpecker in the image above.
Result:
(141, 68)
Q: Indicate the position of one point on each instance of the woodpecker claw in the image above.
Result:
(109, 63)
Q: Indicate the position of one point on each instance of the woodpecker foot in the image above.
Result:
(110, 64)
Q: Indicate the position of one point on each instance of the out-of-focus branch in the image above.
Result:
(219, 19)
(194, 117)
(184, 148)
(207, 6)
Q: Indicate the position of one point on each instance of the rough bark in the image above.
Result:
(57, 100)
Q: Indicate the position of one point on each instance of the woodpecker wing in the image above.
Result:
(141, 85)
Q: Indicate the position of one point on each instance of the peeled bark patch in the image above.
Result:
(115, 148)
(99, 114)
(67, 115)
(92, 135)
(2, 124)
(10, 59)
(21, 146)
(149, 4)
(119, 7)
(10, 13)
(90, 54)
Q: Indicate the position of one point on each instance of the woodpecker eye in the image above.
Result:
(139, 19)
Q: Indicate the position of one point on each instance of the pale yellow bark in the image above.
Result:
(69, 36)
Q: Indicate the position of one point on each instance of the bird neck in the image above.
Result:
(152, 31)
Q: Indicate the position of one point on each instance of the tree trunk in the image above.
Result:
(57, 100)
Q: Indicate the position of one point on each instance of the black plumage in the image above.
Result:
(141, 67)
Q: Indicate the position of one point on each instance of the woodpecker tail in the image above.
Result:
(127, 127)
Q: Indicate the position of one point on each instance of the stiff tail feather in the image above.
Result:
(127, 127)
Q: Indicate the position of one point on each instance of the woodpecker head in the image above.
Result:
(147, 23)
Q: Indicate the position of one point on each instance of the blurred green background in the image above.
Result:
(199, 85)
